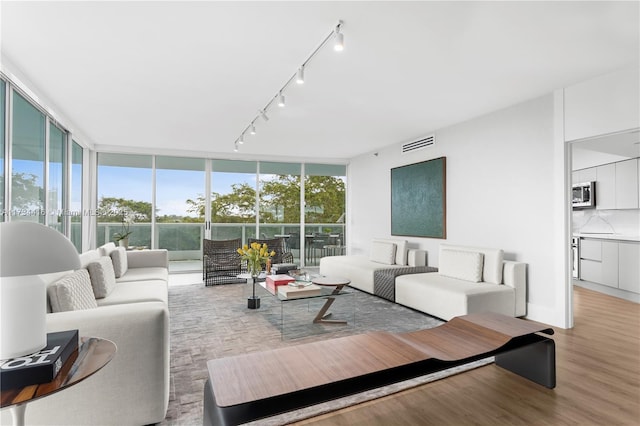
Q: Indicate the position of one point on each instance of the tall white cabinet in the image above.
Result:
(627, 184)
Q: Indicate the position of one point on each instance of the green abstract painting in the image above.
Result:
(418, 199)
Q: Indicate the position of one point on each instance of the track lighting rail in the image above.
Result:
(297, 76)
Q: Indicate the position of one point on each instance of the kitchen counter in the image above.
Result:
(618, 237)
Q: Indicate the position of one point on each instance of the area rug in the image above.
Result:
(214, 322)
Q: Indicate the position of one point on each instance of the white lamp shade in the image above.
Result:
(27, 250)
(23, 301)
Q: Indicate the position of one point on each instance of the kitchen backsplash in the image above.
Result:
(624, 222)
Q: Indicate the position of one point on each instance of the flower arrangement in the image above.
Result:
(255, 255)
(127, 220)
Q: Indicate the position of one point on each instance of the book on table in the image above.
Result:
(295, 292)
(42, 366)
(274, 281)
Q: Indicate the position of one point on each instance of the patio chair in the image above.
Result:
(279, 245)
(221, 263)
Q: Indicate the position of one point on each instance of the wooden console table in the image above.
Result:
(243, 388)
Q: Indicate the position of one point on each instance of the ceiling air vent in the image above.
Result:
(419, 144)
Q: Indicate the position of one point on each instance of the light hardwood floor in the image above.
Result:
(598, 381)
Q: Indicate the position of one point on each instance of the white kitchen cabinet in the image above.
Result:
(627, 184)
(584, 175)
(606, 187)
(591, 249)
(602, 105)
(629, 266)
(610, 264)
(599, 261)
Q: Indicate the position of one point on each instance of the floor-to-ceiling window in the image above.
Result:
(180, 183)
(34, 163)
(324, 212)
(27, 161)
(124, 198)
(3, 111)
(233, 199)
(55, 180)
(280, 203)
(240, 199)
(75, 192)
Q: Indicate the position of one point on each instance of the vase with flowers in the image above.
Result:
(255, 255)
(122, 237)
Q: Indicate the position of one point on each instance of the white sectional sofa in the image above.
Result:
(133, 389)
(360, 269)
(469, 280)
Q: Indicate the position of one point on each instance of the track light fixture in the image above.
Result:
(279, 99)
(338, 44)
(300, 75)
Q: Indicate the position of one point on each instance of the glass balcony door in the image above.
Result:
(324, 213)
(179, 210)
(280, 204)
(232, 204)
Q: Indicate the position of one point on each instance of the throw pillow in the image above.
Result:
(463, 265)
(401, 249)
(103, 277)
(106, 249)
(72, 293)
(119, 259)
(383, 252)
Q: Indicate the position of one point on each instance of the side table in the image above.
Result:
(92, 354)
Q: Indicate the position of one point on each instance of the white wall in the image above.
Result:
(602, 105)
(502, 181)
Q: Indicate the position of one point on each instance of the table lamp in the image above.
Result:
(28, 249)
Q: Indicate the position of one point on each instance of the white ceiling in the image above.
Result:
(188, 77)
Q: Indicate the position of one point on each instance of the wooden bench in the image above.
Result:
(257, 385)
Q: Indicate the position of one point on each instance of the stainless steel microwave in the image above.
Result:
(584, 195)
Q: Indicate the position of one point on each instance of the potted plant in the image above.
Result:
(255, 255)
(122, 237)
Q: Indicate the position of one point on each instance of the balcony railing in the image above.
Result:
(184, 240)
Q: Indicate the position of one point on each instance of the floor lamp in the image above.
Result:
(28, 249)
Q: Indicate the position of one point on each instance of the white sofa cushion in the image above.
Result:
(103, 277)
(358, 268)
(445, 297)
(72, 293)
(463, 265)
(144, 274)
(137, 291)
(383, 252)
(492, 267)
(119, 259)
(401, 249)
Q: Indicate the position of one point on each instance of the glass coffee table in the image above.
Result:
(304, 315)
